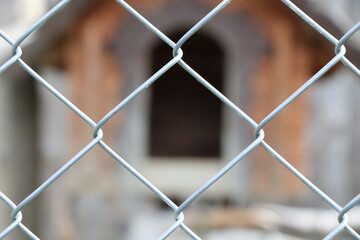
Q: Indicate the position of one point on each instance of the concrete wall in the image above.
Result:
(18, 146)
(333, 133)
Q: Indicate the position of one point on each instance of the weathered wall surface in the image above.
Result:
(18, 146)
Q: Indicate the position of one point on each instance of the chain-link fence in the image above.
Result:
(259, 134)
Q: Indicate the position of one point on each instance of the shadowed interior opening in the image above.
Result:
(185, 117)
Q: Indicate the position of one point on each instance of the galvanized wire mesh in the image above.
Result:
(259, 134)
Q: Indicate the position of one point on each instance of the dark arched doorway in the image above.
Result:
(185, 118)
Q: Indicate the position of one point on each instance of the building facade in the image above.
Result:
(256, 53)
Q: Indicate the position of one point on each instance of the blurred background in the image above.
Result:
(176, 133)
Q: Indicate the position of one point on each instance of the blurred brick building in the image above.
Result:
(257, 53)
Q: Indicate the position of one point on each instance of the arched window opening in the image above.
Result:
(185, 117)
